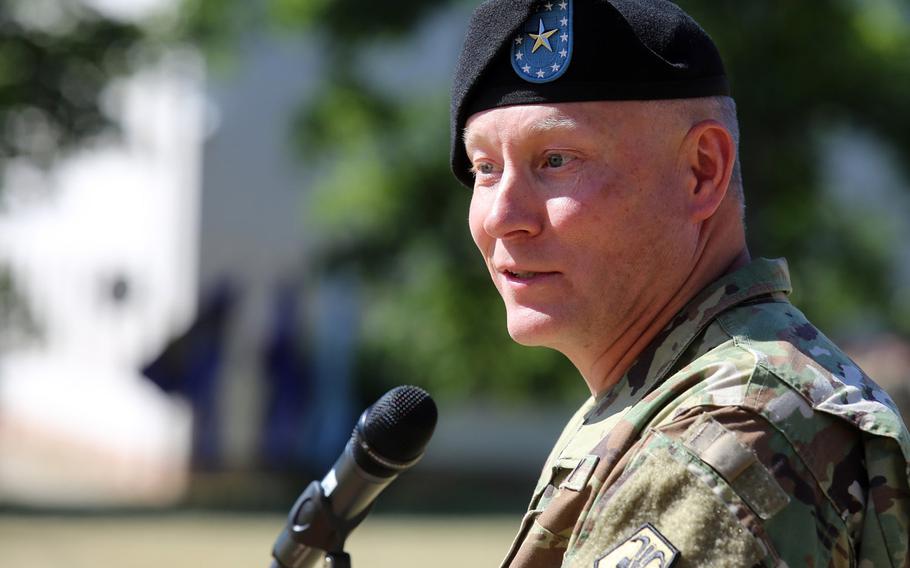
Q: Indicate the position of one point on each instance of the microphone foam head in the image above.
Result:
(397, 429)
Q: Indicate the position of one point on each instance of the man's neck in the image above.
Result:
(611, 365)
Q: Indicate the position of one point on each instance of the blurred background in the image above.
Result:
(227, 226)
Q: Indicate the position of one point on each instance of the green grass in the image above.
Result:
(226, 540)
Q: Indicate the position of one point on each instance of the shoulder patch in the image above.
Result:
(542, 49)
(646, 548)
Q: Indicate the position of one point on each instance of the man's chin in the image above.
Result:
(532, 330)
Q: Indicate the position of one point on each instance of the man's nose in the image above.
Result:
(515, 210)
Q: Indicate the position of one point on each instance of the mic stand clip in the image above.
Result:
(312, 524)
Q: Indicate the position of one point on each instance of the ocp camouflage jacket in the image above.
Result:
(741, 437)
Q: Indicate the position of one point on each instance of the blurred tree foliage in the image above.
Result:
(55, 60)
(387, 207)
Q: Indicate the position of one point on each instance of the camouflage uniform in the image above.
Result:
(741, 437)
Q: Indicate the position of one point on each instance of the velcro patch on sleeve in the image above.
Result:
(647, 547)
(704, 523)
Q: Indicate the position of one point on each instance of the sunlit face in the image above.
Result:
(577, 212)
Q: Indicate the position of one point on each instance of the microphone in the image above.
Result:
(390, 437)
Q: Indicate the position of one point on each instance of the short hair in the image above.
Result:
(726, 115)
(723, 110)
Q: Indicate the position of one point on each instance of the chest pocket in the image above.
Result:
(560, 494)
(548, 525)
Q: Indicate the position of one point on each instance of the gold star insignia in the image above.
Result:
(542, 38)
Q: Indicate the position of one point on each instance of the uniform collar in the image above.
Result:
(761, 277)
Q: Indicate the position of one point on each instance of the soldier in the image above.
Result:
(724, 429)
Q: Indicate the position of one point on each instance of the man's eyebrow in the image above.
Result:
(467, 138)
(548, 124)
(553, 123)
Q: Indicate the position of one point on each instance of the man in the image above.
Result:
(723, 429)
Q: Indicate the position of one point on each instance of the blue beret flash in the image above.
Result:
(542, 48)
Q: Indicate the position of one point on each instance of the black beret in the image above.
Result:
(531, 52)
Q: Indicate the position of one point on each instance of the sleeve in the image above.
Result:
(723, 487)
(886, 522)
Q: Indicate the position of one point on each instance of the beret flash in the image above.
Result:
(532, 52)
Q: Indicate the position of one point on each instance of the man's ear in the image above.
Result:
(707, 159)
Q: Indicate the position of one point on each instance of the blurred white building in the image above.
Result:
(106, 259)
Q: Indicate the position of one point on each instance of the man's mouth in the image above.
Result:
(524, 275)
(521, 275)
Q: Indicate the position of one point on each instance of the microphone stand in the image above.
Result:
(313, 529)
(338, 560)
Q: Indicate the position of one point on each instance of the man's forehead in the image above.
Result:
(523, 121)
(582, 118)
(548, 115)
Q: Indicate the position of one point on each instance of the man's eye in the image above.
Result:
(557, 160)
(484, 168)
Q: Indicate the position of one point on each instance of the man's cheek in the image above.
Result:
(475, 226)
(482, 240)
